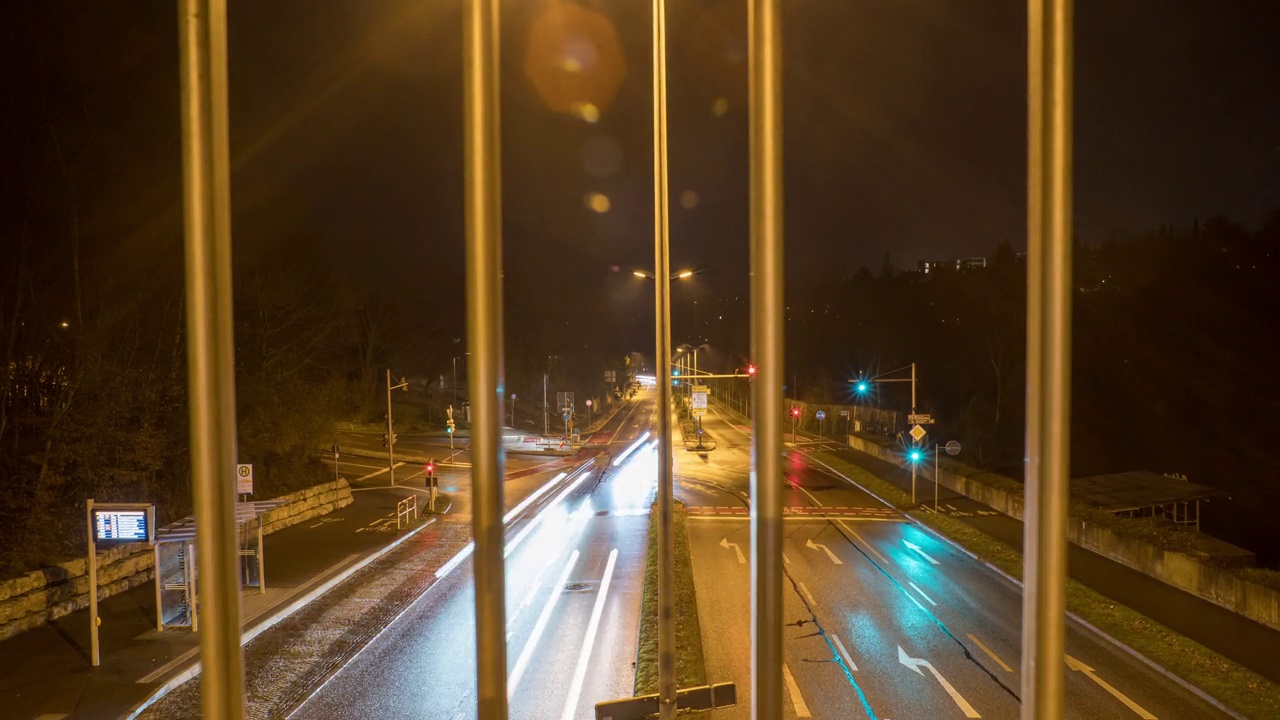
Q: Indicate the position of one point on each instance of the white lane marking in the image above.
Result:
(819, 546)
(912, 546)
(922, 594)
(991, 654)
(808, 596)
(374, 474)
(797, 701)
(1090, 673)
(844, 654)
(786, 559)
(917, 663)
(580, 672)
(522, 663)
(724, 543)
(870, 548)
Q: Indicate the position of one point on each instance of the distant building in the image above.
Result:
(934, 266)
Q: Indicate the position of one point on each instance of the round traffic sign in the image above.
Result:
(822, 414)
(953, 448)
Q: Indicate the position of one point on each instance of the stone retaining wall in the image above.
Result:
(1216, 584)
(50, 593)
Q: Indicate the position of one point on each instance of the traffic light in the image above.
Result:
(915, 455)
(862, 387)
(751, 370)
(795, 412)
(431, 468)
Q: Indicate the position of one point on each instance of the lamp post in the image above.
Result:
(513, 410)
(391, 435)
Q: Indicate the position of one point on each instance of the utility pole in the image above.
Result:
(546, 427)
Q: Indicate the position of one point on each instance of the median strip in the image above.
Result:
(691, 668)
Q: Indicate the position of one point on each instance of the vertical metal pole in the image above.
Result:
(155, 564)
(767, 319)
(545, 427)
(935, 478)
(202, 26)
(262, 562)
(913, 482)
(1048, 355)
(484, 331)
(91, 571)
(662, 349)
(913, 388)
(391, 435)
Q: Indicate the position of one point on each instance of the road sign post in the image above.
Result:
(953, 448)
(821, 415)
(336, 451)
(244, 479)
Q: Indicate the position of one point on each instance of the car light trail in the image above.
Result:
(536, 494)
(526, 655)
(631, 449)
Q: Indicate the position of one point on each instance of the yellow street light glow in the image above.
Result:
(685, 274)
(640, 273)
(598, 202)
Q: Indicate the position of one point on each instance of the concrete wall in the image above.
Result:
(53, 592)
(1216, 584)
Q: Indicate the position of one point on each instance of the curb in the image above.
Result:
(1186, 685)
(247, 635)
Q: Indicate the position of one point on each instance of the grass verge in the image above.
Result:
(691, 669)
(1235, 686)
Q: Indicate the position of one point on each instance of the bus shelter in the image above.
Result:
(176, 575)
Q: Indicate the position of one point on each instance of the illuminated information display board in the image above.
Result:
(121, 526)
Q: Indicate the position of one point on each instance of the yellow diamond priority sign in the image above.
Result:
(918, 432)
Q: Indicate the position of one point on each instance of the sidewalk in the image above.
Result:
(45, 672)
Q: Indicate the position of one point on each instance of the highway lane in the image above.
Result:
(871, 581)
(574, 581)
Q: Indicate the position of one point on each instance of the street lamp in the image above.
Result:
(391, 435)
(682, 275)
(513, 409)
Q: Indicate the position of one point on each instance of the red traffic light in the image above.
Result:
(751, 369)
(795, 412)
(431, 468)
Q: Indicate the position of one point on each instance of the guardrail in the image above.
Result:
(404, 507)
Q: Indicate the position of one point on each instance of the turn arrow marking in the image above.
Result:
(1090, 673)
(917, 663)
(912, 546)
(818, 546)
(724, 543)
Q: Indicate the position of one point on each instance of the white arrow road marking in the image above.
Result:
(844, 653)
(926, 597)
(819, 546)
(917, 663)
(797, 701)
(580, 672)
(724, 543)
(912, 546)
(988, 651)
(1090, 673)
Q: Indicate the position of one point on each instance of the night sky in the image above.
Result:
(905, 127)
